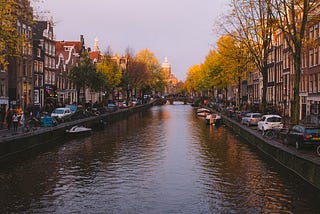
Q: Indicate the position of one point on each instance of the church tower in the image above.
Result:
(166, 68)
(96, 45)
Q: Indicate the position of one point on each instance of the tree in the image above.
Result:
(234, 61)
(11, 40)
(212, 71)
(111, 72)
(125, 82)
(151, 66)
(194, 79)
(137, 75)
(252, 24)
(292, 19)
(83, 75)
(158, 81)
(181, 88)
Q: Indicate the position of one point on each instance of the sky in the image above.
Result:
(181, 30)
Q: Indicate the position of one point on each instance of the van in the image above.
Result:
(61, 112)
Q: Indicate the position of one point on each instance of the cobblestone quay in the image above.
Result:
(305, 165)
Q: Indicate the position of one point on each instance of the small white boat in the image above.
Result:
(213, 119)
(203, 112)
(78, 130)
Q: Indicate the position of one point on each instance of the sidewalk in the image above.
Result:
(5, 132)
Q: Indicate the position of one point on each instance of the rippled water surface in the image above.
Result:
(163, 160)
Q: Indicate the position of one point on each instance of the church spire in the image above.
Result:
(96, 44)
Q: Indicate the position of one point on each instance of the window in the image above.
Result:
(310, 84)
(311, 32)
(2, 89)
(46, 62)
(38, 52)
(311, 58)
(24, 29)
(36, 96)
(40, 67)
(35, 66)
(316, 56)
(40, 80)
(53, 63)
(35, 80)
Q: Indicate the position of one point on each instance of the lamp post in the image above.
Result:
(22, 103)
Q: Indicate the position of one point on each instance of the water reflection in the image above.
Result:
(164, 160)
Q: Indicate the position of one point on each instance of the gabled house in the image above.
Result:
(44, 65)
(68, 54)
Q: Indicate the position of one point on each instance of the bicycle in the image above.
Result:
(269, 134)
(318, 150)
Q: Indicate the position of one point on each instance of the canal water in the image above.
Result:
(162, 160)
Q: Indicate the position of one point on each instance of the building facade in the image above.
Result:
(68, 54)
(20, 77)
(44, 66)
(172, 81)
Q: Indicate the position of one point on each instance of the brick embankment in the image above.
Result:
(16, 144)
(304, 164)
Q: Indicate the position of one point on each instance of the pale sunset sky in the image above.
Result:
(181, 30)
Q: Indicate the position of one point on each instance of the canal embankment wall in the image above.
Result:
(304, 165)
(17, 145)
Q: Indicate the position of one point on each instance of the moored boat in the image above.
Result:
(78, 130)
(203, 112)
(213, 119)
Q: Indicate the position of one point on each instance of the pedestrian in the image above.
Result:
(23, 122)
(9, 118)
(15, 121)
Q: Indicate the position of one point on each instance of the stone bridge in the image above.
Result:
(184, 99)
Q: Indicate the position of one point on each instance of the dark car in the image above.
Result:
(240, 115)
(301, 135)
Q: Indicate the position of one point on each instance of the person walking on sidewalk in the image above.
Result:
(15, 121)
(8, 118)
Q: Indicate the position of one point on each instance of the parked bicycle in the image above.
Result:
(270, 134)
(318, 150)
(276, 133)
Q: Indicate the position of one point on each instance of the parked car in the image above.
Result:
(251, 119)
(240, 115)
(111, 107)
(61, 113)
(230, 112)
(270, 121)
(301, 135)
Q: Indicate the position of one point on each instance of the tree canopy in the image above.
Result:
(11, 40)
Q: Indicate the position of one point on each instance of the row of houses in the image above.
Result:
(39, 76)
(281, 77)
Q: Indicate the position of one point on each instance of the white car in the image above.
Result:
(61, 112)
(251, 119)
(270, 121)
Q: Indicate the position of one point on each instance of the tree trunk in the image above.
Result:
(239, 92)
(84, 96)
(264, 89)
(78, 95)
(296, 98)
(226, 89)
